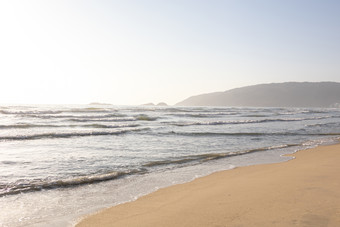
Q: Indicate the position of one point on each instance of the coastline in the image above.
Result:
(301, 192)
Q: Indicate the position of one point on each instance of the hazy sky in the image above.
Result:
(133, 52)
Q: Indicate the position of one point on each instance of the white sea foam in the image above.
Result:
(74, 160)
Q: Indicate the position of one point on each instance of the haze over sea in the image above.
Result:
(60, 162)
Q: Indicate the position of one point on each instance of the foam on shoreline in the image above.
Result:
(299, 192)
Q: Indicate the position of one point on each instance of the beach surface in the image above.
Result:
(304, 191)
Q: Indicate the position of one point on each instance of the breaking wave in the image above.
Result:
(244, 121)
(26, 125)
(211, 156)
(22, 186)
(144, 117)
(97, 116)
(38, 185)
(117, 119)
(250, 134)
(68, 135)
(30, 112)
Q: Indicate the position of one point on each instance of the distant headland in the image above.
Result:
(289, 94)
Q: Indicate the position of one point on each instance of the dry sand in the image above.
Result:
(301, 192)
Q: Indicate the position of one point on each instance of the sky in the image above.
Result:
(130, 52)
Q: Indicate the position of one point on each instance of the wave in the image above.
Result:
(30, 112)
(75, 116)
(117, 119)
(211, 156)
(244, 121)
(38, 185)
(68, 135)
(201, 115)
(105, 117)
(45, 112)
(226, 122)
(27, 125)
(295, 112)
(14, 162)
(110, 126)
(327, 124)
(144, 117)
(176, 109)
(255, 115)
(141, 117)
(23, 186)
(249, 134)
(314, 111)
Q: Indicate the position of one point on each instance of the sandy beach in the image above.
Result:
(302, 192)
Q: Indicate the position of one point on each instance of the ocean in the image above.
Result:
(60, 162)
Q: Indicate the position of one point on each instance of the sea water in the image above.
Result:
(58, 163)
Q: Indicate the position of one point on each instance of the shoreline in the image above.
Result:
(304, 191)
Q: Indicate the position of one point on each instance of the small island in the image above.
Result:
(100, 104)
(162, 104)
(152, 104)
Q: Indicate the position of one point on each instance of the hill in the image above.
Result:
(289, 94)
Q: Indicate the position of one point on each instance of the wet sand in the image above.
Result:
(302, 192)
